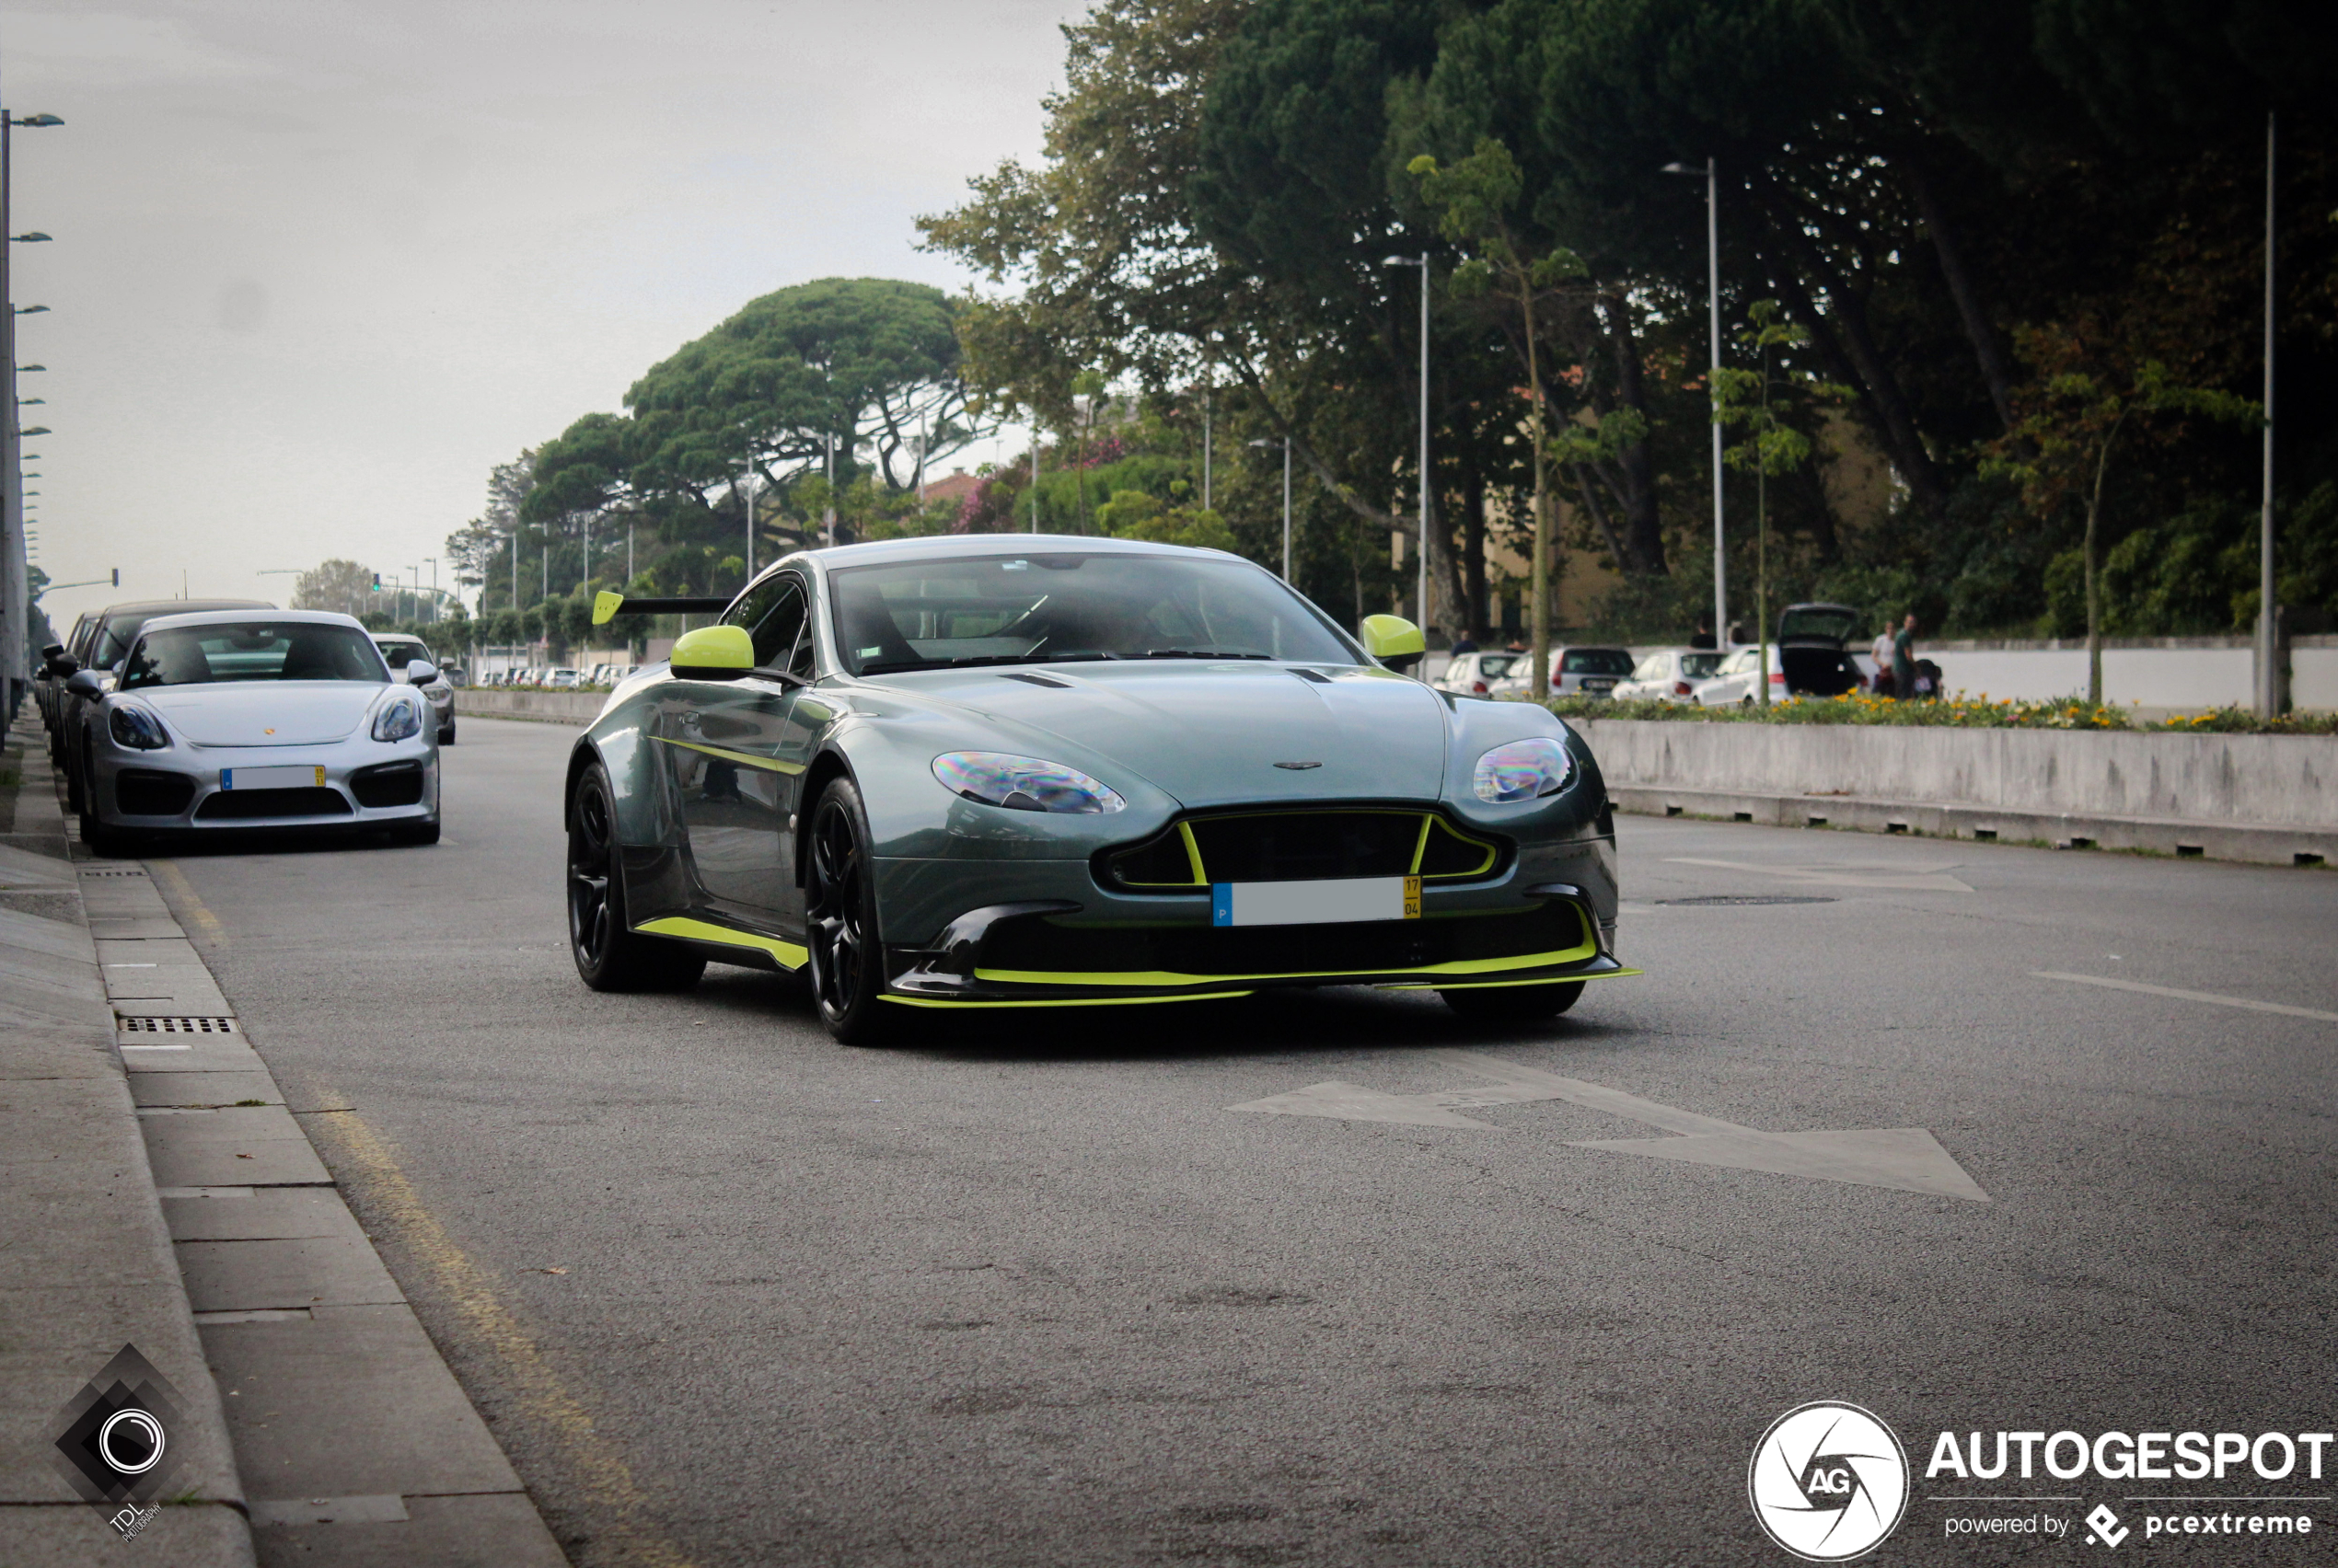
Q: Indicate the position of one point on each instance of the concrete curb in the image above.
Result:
(89, 1266)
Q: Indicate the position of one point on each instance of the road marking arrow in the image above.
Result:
(1909, 1159)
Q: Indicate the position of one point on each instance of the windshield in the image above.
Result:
(1040, 609)
(1595, 661)
(1699, 666)
(1494, 666)
(253, 651)
(400, 654)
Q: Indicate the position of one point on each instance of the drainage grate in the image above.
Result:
(115, 872)
(1733, 900)
(175, 1025)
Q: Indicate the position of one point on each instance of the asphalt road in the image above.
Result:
(1028, 1292)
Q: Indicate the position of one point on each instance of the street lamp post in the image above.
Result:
(1420, 596)
(1286, 503)
(2268, 631)
(1713, 388)
(14, 578)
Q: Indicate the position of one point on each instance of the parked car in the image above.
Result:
(564, 679)
(398, 653)
(1739, 679)
(105, 640)
(231, 720)
(1475, 674)
(1575, 672)
(1161, 774)
(1670, 674)
(1814, 650)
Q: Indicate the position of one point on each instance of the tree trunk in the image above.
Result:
(1642, 554)
(1584, 482)
(1859, 360)
(2094, 580)
(1983, 336)
(1473, 556)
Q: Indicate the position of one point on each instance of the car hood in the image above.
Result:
(1212, 733)
(264, 713)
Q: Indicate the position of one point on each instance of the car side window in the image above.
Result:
(801, 662)
(778, 631)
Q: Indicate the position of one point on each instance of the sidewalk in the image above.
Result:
(86, 1265)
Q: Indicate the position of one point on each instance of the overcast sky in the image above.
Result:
(318, 266)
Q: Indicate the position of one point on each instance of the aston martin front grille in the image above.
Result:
(1301, 846)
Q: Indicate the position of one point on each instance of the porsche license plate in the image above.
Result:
(1335, 900)
(272, 778)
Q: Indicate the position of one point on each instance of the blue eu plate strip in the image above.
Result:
(227, 778)
(1221, 903)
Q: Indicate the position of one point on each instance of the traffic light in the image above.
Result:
(117, 577)
(377, 582)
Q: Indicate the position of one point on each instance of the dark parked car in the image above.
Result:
(1814, 650)
(104, 639)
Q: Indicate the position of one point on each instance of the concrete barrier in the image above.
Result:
(575, 708)
(2265, 797)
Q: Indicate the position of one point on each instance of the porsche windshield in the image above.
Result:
(1039, 609)
(253, 651)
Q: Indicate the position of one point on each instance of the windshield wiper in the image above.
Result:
(973, 660)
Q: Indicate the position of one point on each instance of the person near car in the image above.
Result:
(1704, 635)
(1882, 651)
(1904, 659)
(1468, 644)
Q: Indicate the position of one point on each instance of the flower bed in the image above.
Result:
(1953, 713)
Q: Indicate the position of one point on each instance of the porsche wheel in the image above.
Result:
(1513, 1004)
(610, 956)
(840, 908)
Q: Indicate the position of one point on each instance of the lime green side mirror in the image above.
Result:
(714, 653)
(604, 607)
(1394, 641)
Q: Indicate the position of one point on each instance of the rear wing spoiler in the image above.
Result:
(608, 606)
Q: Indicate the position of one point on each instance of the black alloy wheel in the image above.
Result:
(1513, 1004)
(610, 956)
(839, 910)
(97, 836)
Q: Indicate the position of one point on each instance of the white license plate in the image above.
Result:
(1599, 685)
(1337, 901)
(272, 778)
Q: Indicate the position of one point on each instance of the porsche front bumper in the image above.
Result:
(357, 782)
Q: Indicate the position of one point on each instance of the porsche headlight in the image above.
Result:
(137, 729)
(1023, 783)
(1524, 770)
(400, 717)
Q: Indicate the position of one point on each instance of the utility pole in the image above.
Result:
(1205, 456)
(1035, 470)
(15, 620)
(2268, 612)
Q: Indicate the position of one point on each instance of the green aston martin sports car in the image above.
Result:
(1026, 771)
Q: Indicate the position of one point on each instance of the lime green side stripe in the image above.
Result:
(744, 759)
(1166, 977)
(788, 953)
(1066, 1001)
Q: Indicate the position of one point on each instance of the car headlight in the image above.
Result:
(136, 728)
(1023, 783)
(399, 717)
(1524, 770)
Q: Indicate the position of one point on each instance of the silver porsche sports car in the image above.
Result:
(1017, 771)
(236, 719)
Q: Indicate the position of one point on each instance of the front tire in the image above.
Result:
(1513, 1004)
(610, 955)
(447, 737)
(840, 919)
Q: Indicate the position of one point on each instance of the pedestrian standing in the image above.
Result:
(1903, 660)
(1703, 637)
(1882, 651)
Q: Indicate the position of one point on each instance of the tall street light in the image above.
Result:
(2268, 631)
(1713, 386)
(12, 576)
(1420, 597)
(1286, 503)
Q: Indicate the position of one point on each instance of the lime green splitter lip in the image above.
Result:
(1003, 771)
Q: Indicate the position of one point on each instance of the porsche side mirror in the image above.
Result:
(714, 653)
(51, 650)
(421, 672)
(1394, 641)
(86, 682)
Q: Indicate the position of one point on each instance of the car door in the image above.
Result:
(734, 771)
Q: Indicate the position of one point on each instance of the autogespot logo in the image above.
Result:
(1828, 1481)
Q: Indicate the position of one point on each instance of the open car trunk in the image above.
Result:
(1812, 648)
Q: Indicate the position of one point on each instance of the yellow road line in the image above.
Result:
(183, 895)
(544, 1400)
